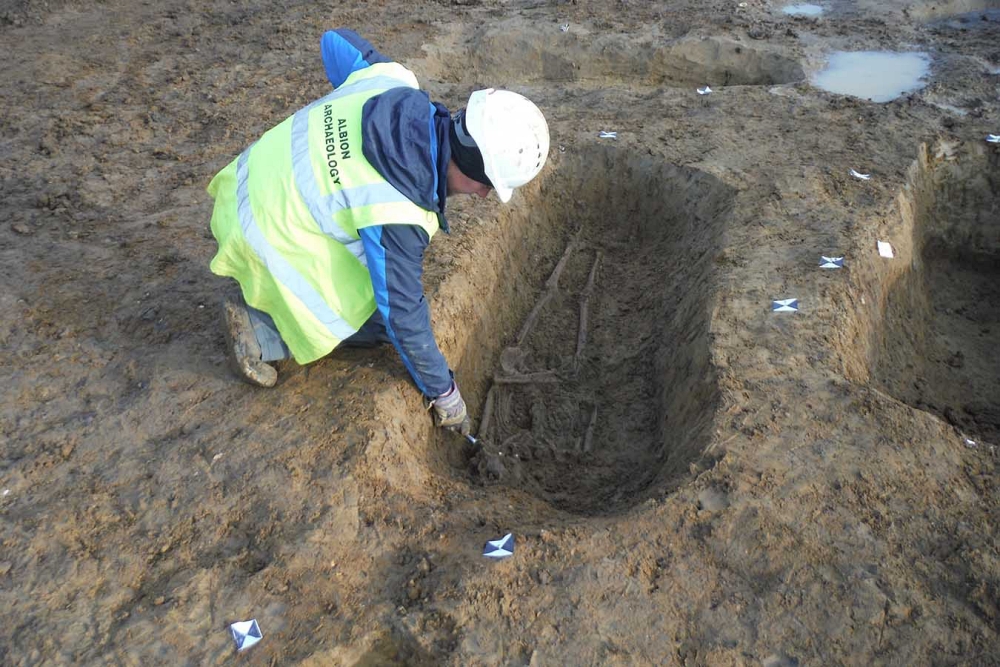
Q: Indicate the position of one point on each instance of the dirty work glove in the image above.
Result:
(450, 413)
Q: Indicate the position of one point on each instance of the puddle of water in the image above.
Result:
(879, 76)
(802, 10)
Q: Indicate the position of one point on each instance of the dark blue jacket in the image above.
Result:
(405, 137)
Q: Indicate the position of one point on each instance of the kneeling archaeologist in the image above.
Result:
(324, 220)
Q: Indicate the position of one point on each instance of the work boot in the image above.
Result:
(242, 348)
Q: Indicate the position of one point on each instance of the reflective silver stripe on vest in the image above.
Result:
(323, 207)
(279, 267)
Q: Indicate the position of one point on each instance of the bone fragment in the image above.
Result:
(484, 423)
(527, 378)
(588, 438)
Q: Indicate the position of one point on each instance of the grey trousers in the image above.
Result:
(273, 348)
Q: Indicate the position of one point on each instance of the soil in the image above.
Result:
(692, 479)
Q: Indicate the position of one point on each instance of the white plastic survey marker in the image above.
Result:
(245, 634)
(785, 306)
(500, 548)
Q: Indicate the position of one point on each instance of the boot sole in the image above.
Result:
(240, 346)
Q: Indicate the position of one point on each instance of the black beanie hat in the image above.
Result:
(464, 150)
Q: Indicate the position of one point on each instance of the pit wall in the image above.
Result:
(952, 199)
(692, 209)
(479, 294)
(516, 52)
(933, 9)
(946, 207)
(499, 272)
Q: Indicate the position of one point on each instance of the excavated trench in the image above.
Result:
(513, 53)
(928, 10)
(591, 361)
(941, 328)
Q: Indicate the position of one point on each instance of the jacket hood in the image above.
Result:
(405, 137)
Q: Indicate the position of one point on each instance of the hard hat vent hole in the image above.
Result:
(628, 414)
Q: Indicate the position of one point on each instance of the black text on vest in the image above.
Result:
(331, 143)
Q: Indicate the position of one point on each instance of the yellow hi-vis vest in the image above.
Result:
(288, 210)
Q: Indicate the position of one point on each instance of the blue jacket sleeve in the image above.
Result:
(345, 52)
(395, 255)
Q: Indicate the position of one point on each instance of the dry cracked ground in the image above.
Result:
(690, 477)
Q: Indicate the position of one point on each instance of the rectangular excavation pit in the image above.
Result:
(516, 52)
(936, 350)
(594, 419)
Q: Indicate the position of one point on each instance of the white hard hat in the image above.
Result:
(511, 134)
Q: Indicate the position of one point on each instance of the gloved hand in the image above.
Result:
(450, 413)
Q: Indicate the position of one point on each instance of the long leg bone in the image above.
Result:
(581, 337)
(529, 323)
(551, 287)
(553, 281)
